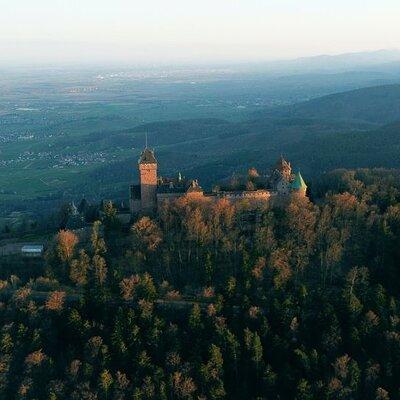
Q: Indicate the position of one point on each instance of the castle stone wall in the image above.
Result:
(153, 192)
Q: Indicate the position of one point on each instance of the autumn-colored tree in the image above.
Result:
(97, 242)
(279, 263)
(79, 269)
(55, 301)
(106, 380)
(65, 244)
(195, 318)
(128, 286)
(146, 235)
(212, 374)
(300, 218)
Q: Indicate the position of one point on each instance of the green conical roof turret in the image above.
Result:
(298, 183)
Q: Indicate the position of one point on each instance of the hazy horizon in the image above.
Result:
(367, 57)
(187, 32)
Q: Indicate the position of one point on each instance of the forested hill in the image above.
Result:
(375, 148)
(296, 302)
(379, 104)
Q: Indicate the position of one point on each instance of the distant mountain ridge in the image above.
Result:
(336, 62)
(377, 105)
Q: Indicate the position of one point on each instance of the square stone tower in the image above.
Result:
(148, 180)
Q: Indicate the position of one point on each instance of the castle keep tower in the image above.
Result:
(148, 180)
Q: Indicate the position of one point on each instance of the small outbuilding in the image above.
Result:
(32, 250)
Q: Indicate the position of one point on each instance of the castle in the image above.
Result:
(153, 190)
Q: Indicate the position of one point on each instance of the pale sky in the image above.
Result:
(180, 31)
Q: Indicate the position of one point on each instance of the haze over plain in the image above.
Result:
(178, 31)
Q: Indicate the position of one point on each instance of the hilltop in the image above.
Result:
(378, 105)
